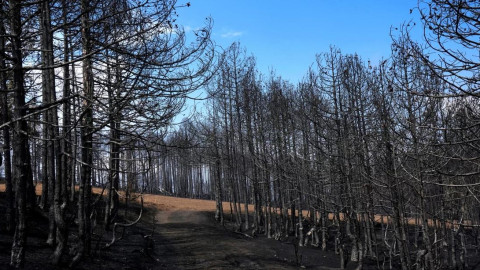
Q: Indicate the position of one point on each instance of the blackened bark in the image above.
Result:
(218, 178)
(395, 198)
(4, 113)
(50, 125)
(114, 158)
(62, 152)
(86, 135)
(23, 173)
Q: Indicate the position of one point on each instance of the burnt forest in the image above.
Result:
(361, 164)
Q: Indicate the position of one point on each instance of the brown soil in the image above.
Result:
(185, 236)
(169, 203)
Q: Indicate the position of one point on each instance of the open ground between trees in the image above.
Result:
(89, 90)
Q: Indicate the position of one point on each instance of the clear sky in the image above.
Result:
(285, 36)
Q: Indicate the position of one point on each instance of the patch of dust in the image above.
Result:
(194, 217)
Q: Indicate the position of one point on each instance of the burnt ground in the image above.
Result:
(191, 240)
(174, 233)
(182, 239)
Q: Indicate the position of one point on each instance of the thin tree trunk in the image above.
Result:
(86, 137)
(114, 160)
(22, 168)
(218, 176)
(61, 194)
(9, 213)
(75, 137)
(52, 152)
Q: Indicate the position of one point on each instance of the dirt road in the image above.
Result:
(191, 240)
(185, 236)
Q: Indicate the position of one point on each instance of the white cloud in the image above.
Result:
(231, 34)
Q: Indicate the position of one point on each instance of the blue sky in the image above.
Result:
(285, 36)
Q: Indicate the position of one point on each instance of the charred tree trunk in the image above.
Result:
(218, 177)
(86, 136)
(114, 158)
(395, 199)
(52, 154)
(7, 159)
(254, 159)
(63, 152)
(21, 153)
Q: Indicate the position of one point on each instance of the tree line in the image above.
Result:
(378, 161)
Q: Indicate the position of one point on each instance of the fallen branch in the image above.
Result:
(244, 234)
(125, 225)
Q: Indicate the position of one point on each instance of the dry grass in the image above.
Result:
(168, 203)
(162, 203)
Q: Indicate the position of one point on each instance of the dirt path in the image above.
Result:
(191, 240)
(185, 236)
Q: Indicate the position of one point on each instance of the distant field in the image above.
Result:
(162, 203)
(169, 203)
